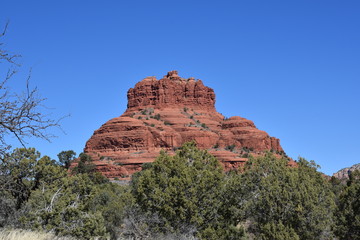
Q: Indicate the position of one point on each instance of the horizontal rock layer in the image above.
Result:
(170, 91)
(162, 115)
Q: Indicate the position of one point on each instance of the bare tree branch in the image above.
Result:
(21, 115)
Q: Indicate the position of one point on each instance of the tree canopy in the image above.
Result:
(184, 196)
(273, 199)
(348, 210)
(184, 190)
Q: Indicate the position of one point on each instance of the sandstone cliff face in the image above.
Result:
(164, 114)
(170, 91)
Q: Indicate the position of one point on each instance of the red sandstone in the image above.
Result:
(164, 114)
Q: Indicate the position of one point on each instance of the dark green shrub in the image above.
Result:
(85, 164)
(230, 147)
(157, 117)
(347, 214)
(246, 149)
(281, 202)
(245, 155)
(183, 190)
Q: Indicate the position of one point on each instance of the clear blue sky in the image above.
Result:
(293, 67)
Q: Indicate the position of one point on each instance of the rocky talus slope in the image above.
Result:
(162, 115)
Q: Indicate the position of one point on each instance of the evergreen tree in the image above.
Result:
(272, 199)
(182, 190)
(22, 172)
(85, 164)
(65, 157)
(348, 211)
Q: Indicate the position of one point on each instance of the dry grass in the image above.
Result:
(20, 234)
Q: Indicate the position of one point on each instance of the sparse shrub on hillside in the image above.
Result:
(157, 117)
(245, 149)
(245, 155)
(167, 123)
(230, 147)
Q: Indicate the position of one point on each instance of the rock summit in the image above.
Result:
(162, 115)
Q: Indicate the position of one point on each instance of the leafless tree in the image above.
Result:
(21, 114)
(140, 225)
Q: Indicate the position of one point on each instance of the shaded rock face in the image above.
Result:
(344, 173)
(162, 115)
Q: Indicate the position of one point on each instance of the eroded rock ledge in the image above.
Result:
(164, 114)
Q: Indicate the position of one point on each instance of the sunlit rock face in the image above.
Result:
(162, 115)
(345, 173)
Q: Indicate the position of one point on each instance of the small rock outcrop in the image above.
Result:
(164, 114)
(344, 173)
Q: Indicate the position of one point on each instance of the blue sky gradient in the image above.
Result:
(293, 67)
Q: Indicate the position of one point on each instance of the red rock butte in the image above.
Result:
(162, 115)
